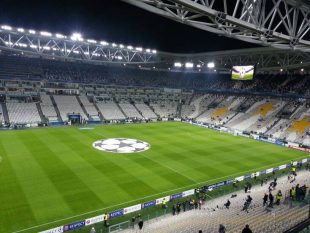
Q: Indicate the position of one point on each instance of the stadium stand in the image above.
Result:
(110, 111)
(48, 108)
(261, 219)
(67, 105)
(23, 113)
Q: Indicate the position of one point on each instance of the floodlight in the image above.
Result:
(177, 64)
(211, 65)
(129, 47)
(154, 51)
(47, 48)
(114, 45)
(104, 43)
(33, 46)
(139, 49)
(189, 65)
(20, 29)
(76, 37)
(45, 33)
(119, 58)
(148, 50)
(121, 46)
(302, 70)
(6, 27)
(198, 66)
(91, 41)
(32, 31)
(60, 36)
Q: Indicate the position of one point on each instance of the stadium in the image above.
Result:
(207, 132)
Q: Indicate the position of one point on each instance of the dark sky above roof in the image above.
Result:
(113, 21)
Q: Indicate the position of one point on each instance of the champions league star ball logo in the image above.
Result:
(121, 145)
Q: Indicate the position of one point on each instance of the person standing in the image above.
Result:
(278, 197)
(247, 229)
(271, 198)
(222, 229)
(265, 199)
(140, 224)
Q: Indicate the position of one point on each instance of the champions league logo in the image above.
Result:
(121, 145)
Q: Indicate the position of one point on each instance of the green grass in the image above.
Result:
(54, 173)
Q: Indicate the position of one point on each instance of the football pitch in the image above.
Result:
(56, 176)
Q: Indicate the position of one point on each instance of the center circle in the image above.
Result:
(121, 145)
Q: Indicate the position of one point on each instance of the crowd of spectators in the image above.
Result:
(77, 72)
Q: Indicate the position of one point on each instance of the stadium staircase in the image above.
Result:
(98, 110)
(119, 107)
(138, 110)
(5, 113)
(152, 108)
(43, 119)
(82, 106)
(56, 108)
(273, 125)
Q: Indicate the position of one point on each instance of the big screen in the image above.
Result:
(242, 72)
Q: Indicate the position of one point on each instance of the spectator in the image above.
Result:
(222, 229)
(246, 229)
(140, 224)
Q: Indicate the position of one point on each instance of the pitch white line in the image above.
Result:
(146, 197)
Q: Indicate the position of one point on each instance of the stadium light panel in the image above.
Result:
(104, 43)
(119, 58)
(33, 46)
(121, 46)
(129, 47)
(281, 70)
(154, 51)
(178, 64)
(6, 27)
(302, 70)
(211, 65)
(60, 36)
(45, 33)
(139, 49)
(47, 48)
(114, 45)
(91, 41)
(198, 66)
(189, 65)
(76, 37)
(148, 50)
(20, 29)
(32, 31)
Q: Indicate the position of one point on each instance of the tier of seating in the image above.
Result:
(23, 113)
(261, 219)
(68, 105)
(48, 109)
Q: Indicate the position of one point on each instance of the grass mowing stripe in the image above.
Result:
(71, 187)
(12, 204)
(156, 195)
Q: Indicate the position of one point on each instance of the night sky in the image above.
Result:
(113, 21)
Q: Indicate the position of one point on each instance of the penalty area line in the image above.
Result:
(146, 197)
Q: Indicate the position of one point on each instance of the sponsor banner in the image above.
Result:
(304, 160)
(160, 200)
(93, 220)
(278, 142)
(247, 176)
(228, 181)
(54, 230)
(255, 136)
(132, 209)
(269, 170)
(224, 129)
(292, 144)
(240, 178)
(116, 213)
(75, 225)
(255, 173)
(300, 148)
(276, 169)
(263, 172)
(176, 196)
(188, 193)
(148, 204)
(218, 185)
(282, 167)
